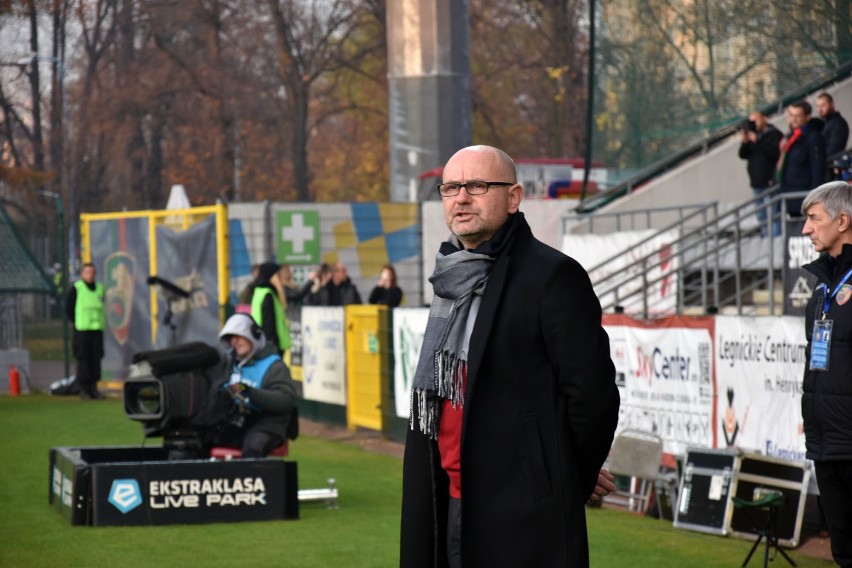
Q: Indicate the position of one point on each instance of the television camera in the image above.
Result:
(175, 393)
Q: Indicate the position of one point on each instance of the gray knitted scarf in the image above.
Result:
(459, 275)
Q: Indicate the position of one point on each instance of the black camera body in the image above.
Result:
(749, 126)
(174, 395)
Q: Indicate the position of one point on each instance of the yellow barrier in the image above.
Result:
(368, 358)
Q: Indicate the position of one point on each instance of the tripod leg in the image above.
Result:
(766, 553)
(753, 548)
(781, 550)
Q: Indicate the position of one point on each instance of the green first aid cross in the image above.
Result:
(298, 237)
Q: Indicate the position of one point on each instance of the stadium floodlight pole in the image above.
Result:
(64, 278)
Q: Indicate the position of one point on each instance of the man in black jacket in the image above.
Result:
(514, 401)
(827, 385)
(802, 165)
(84, 307)
(338, 290)
(760, 148)
(835, 129)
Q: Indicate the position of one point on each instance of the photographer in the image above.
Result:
(263, 393)
(760, 147)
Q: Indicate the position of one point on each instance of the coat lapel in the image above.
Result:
(485, 319)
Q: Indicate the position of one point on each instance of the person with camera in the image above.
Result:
(262, 392)
(760, 148)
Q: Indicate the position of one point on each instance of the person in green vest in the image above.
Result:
(268, 303)
(84, 307)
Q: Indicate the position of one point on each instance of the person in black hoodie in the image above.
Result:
(802, 164)
(760, 148)
(827, 384)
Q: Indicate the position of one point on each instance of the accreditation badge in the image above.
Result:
(820, 345)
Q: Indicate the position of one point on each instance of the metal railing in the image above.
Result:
(716, 260)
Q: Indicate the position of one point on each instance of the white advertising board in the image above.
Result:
(665, 376)
(760, 363)
(324, 355)
(409, 325)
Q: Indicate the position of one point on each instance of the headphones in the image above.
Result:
(254, 329)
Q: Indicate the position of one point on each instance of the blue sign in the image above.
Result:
(125, 495)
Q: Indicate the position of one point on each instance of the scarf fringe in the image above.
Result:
(427, 412)
(450, 371)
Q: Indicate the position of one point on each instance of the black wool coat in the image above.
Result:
(540, 411)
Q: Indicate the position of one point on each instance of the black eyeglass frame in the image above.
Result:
(488, 185)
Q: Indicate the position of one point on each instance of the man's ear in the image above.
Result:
(516, 194)
(844, 222)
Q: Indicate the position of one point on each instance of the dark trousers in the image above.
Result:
(835, 488)
(454, 533)
(88, 347)
(252, 443)
(258, 444)
(88, 373)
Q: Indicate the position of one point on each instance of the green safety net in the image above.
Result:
(19, 270)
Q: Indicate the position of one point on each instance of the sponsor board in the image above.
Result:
(760, 363)
(106, 486)
(665, 376)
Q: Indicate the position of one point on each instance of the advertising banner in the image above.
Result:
(659, 269)
(119, 251)
(126, 485)
(798, 283)
(409, 325)
(324, 355)
(665, 375)
(293, 356)
(188, 260)
(760, 363)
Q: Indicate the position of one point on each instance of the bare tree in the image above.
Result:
(310, 41)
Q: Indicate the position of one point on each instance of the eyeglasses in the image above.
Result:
(471, 187)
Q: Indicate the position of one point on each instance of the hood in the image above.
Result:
(243, 325)
(265, 273)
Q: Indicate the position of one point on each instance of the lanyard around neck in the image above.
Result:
(829, 295)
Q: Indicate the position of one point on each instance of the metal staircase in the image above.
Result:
(718, 261)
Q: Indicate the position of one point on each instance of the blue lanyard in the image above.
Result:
(829, 295)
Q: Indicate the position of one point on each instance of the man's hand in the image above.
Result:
(604, 487)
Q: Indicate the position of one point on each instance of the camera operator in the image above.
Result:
(263, 393)
(760, 147)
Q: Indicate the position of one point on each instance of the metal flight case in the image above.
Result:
(708, 480)
(759, 474)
